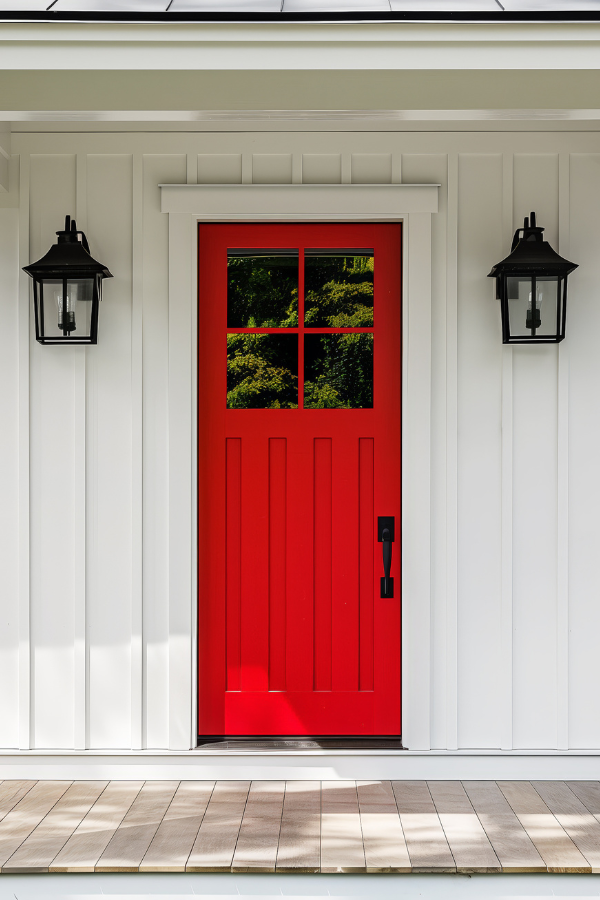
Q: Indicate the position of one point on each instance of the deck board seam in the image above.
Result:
(442, 826)
(237, 840)
(69, 784)
(185, 865)
(68, 837)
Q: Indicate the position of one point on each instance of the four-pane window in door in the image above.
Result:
(300, 328)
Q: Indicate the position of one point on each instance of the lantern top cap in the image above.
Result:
(532, 255)
(70, 257)
(70, 234)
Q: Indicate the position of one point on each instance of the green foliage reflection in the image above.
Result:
(338, 371)
(262, 371)
(338, 292)
(262, 291)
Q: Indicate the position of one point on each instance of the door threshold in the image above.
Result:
(300, 743)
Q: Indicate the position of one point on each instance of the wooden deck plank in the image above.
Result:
(426, 842)
(90, 839)
(342, 847)
(589, 794)
(173, 842)
(464, 832)
(18, 824)
(256, 848)
(552, 843)
(11, 792)
(512, 845)
(383, 838)
(300, 836)
(217, 838)
(128, 845)
(574, 817)
(427, 845)
(450, 798)
(37, 852)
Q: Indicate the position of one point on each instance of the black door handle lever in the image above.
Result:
(386, 536)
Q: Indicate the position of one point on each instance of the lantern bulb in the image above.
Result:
(534, 314)
(66, 303)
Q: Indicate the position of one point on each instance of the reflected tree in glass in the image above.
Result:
(262, 290)
(338, 371)
(262, 371)
(338, 289)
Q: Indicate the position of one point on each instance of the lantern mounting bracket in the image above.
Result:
(529, 232)
(71, 233)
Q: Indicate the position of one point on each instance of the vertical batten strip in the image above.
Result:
(346, 168)
(506, 637)
(182, 286)
(297, 168)
(25, 717)
(191, 168)
(452, 457)
(247, 168)
(137, 460)
(80, 661)
(562, 624)
(416, 464)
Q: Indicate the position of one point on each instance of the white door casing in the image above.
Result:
(413, 206)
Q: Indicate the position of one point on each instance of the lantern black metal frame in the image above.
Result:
(68, 262)
(532, 259)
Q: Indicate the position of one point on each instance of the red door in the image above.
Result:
(299, 454)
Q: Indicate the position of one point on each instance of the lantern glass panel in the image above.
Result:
(66, 307)
(533, 306)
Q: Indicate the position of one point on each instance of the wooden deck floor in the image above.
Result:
(299, 826)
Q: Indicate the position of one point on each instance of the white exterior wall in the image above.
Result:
(92, 642)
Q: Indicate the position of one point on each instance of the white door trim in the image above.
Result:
(413, 206)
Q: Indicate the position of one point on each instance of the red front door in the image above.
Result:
(299, 365)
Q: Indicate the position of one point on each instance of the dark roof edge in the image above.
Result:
(353, 17)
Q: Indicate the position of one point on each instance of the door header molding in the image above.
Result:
(299, 202)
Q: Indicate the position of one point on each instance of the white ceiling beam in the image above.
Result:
(298, 47)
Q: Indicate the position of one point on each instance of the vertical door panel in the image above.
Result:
(277, 561)
(323, 588)
(366, 537)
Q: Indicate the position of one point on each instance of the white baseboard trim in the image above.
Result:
(165, 886)
(323, 765)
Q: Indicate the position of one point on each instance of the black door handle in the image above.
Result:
(386, 536)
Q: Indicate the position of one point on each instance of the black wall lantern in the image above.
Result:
(67, 289)
(531, 285)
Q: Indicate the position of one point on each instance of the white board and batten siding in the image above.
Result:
(96, 644)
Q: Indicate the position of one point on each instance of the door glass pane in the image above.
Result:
(546, 305)
(262, 371)
(262, 288)
(529, 316)
(338, 288)
(338, 371)
(70, 313)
